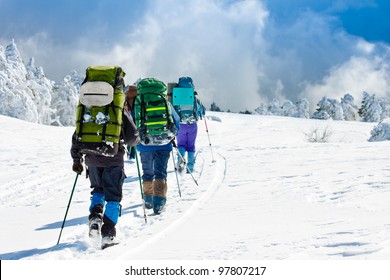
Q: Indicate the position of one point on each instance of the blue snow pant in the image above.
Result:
(107, 183)
(154, 164)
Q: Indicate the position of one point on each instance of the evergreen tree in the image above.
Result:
(64, 101)
(362, 110)
(288, 109)
(371, 109)
(274, 108)
(329, 109)
(214, 107)
(303, 107)
(262, 109)
(349, 108)
(385, 108)
(246, 112)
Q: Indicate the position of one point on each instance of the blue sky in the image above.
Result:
(239, 52)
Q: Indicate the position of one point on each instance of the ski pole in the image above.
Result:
(177, 178)
(67, 208)
(140, 184)
(183, 159)
(207, 130)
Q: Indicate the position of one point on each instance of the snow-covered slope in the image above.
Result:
(270, 194)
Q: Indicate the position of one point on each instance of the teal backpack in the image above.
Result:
(153, 114)
(184, 100)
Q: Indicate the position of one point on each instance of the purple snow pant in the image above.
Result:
(187, 136)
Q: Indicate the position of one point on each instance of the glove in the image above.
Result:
(77, 167)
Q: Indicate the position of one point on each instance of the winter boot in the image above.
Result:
(95, 217)
(110, 219)
(159, 198)
(191, 162)
(148, 193)
(180, 163)
(108, 233)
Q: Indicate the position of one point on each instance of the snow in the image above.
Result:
(270, 195)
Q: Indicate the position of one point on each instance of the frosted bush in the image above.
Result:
(381, 132)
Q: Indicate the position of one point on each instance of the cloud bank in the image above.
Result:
(239, 53)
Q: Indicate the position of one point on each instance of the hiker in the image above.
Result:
(155, 149)
(189, 115)
(130, 95)
(104, 169)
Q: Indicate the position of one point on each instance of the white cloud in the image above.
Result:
(212, 42)
(237, 53)
(356, 75)
(365, 46)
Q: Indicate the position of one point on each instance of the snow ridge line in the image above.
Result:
(218, 178)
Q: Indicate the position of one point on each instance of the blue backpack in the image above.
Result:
(185, 82)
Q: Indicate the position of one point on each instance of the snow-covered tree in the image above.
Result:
(350, 110)
(303, 107)
(385, 108)
(274, 107)
(288, 109)
(329, 108)
(16, 98)
(371, 110)
(64, 102)
(262, 109)
(381, 132)
(26, 93)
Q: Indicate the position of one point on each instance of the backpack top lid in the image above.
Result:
(186, 82)
(109, 74)
(151, 85)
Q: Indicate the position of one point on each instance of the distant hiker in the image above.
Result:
(130, 95)
(190, 110)
(158, 123)
(102, 129)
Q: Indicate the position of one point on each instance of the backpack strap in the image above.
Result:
(79, 135)
(106, 110)
(195, 108)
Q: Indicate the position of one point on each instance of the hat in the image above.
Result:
(132, 88)
(131, 91)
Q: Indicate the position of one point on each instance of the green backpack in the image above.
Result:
(153, 114)
(99, 110)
